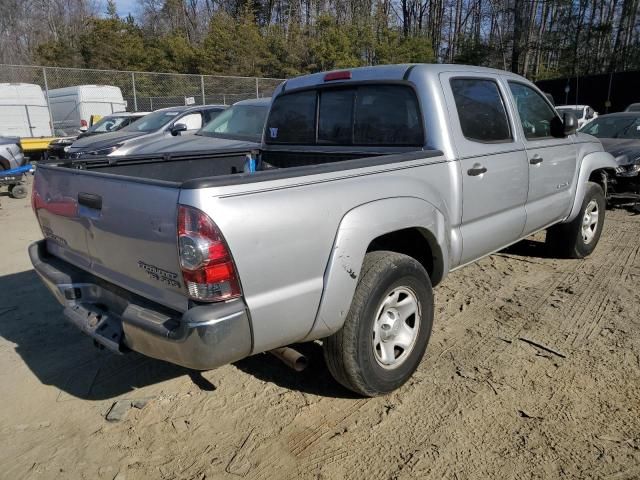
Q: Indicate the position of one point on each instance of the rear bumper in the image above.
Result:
(201, 338)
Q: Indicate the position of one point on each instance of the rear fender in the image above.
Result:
(357, 229)
(590, 163)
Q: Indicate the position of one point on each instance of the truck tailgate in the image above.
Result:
(117, 228)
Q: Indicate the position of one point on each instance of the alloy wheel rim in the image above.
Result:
(590, 221)
(396, 327)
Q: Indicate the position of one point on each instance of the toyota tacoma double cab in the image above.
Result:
(369, 187)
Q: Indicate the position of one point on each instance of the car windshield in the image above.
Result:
(578, 112)
(109, 123)
(614, 127)
(634, 107)
(152, 122)
(243, 122)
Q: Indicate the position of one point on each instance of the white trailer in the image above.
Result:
(23, 111)
(72, 107)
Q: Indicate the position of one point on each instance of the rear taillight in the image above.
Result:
(207, 267)
(83, 123)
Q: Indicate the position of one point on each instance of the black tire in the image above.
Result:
(18, 191)
(349, 353)
(567, 240)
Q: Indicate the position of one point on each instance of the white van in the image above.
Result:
(72, 107)
(23, 111)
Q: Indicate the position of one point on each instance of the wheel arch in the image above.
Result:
(406, 225)
(595, 167)
(416, 242)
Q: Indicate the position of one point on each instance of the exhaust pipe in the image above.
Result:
(291, 358)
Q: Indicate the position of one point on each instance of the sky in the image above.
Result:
(125, 7)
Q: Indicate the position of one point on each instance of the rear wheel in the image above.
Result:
(578, 238)
(388, 326)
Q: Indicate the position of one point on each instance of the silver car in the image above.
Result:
(11, 155)
(164, 123)
(110, 123)
(240, 126)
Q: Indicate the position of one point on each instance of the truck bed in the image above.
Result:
(200, 168)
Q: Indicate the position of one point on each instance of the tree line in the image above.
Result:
(281, 38)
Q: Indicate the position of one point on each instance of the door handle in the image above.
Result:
(476, 170)
(90, 200)
(536, 159)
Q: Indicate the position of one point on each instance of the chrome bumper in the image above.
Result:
(203, 337)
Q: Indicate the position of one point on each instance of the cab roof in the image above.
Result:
(390, 72)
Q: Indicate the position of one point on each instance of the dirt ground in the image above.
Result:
(486, 403)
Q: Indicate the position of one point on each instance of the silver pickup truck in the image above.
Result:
(370, 186)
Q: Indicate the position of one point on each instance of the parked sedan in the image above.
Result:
(161, 124)
(109, 123)
(238, 127)
(620, 136)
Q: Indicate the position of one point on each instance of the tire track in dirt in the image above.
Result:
(588, 307)
(481, 352)
(580, 285)
(302, 442)
(610, 269)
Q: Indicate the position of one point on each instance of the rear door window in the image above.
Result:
(365, 115)
(481, 111)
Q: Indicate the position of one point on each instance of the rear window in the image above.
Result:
(366, 115)
(293, 120)
(335, 119)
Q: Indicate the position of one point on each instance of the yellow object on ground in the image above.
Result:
(35, 144)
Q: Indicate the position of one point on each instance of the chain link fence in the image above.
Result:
(146, 91)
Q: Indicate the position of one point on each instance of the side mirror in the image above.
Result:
(567, 126)
(177, 128)
(570, 123)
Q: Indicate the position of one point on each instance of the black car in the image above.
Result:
(620, 136)
(110, 123)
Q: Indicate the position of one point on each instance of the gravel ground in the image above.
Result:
(533, 371)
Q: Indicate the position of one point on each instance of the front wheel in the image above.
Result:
(578, 238)
(388, 326)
